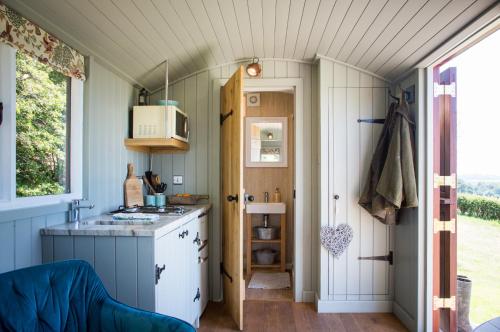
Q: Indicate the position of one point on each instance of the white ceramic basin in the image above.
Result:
(266, 208)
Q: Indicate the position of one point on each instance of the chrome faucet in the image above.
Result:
(75, 209)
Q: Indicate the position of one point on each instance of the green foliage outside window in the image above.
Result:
(41, 128)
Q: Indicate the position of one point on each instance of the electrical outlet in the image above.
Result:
(177, 179)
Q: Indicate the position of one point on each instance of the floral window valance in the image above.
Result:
(29, 38)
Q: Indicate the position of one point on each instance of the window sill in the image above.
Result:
(39, 201)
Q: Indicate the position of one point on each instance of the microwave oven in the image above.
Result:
(160, 122)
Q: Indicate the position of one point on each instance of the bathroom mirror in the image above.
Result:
(266, 141)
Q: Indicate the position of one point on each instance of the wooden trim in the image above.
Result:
(444, 200)
(283, 242)
(249, 243)
(436, 238)
(266, 241)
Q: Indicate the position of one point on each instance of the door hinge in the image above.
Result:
(445, 225)
(223, 117)
(445, 180)
(224, 272)
(443, 303)
(444, 89)
(388, 258)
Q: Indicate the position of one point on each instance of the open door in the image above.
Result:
(445, 200)
(232, 195)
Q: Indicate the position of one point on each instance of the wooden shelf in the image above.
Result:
(266, 241)
(270, 266)
(156, 145)
(250, 241)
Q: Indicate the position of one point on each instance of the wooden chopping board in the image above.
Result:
(132, 188)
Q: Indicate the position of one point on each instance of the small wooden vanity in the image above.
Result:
(263, 209)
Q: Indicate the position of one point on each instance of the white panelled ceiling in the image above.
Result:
(386, 37)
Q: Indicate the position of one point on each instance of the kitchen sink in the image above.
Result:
(266, 208)
(119, 222)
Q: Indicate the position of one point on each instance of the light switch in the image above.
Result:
(177, 179)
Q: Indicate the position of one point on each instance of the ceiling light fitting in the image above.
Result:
(254, 69)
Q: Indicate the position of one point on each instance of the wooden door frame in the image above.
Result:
(483, 31)
(279, 84)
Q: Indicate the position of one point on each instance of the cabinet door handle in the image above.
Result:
(181, 235)
(197, 239)
(158, 271)
(186, 232)
(198, 295)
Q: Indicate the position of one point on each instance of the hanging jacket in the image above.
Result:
(391, 182)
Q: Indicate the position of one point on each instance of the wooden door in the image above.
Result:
(232, 195)
(444, 200)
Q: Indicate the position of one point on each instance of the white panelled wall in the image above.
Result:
(200, 165)
(346, 283)
(108, 99)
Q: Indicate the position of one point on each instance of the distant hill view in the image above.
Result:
(483, 185)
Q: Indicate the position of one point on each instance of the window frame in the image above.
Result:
(8, 199)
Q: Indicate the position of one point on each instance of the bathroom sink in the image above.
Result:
(266, 208)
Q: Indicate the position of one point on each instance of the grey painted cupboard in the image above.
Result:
(168, 274)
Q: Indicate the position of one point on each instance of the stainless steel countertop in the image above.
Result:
(92, 226)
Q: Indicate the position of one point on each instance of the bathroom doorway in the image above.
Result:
(269, 177)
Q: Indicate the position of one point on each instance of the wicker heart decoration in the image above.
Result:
(336, 239)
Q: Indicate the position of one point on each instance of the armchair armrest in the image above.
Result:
(115, 316)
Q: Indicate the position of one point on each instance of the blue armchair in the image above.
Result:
(69, 296)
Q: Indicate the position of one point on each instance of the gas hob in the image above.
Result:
(168, 210)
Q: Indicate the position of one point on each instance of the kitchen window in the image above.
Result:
(41, 133)
(42, 129)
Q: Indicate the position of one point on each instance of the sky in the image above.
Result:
(478, 108)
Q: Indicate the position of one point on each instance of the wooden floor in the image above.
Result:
(290, 316)
(267, 294)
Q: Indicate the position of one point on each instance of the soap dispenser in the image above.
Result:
(277, 195)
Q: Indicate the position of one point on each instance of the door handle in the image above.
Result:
(232, 198)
